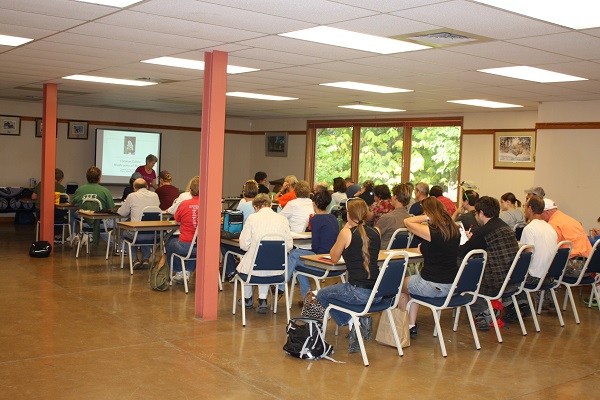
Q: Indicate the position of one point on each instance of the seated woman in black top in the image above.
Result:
(359, 244)
(439, 248)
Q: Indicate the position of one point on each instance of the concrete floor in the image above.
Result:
(85, 329)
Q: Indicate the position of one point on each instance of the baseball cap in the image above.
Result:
(469, 185)
(537, 190)
(549, 204)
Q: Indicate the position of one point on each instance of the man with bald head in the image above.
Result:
(132, 207)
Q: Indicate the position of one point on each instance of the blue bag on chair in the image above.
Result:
(233, 221)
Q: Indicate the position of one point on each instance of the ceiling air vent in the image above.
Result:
(442, 38)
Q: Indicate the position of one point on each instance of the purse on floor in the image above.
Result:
(312, 308)
(40, 249)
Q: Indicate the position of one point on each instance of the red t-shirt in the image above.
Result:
(148, 177)
(187, 216)
(289, 196)
(167, 195)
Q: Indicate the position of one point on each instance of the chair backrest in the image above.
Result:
(399, 239)
(414, 241)
(468, 277)
(592, 264)
(151, 213)
(271, 256)
(517, 273)
(518, 228)
(192, 245)
(391, 276)
(559, 262)
(90, 202)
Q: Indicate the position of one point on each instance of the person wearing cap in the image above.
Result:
(166, 192)
(129, 189)
(535, 190)
(351, 188)
(568, 228)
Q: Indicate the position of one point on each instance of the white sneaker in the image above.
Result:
(178, 277)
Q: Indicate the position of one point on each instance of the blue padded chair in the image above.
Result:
(88, 228)
(463, 293)
(518, 228)
(316, 274)
(592, 265)
(270, 260)
(400, 239)
(388, 286)
(512, 286)
(189, 256)
(150, 213)
(555, 270)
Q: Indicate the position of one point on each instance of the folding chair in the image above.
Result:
(62, 219)
(89, 202)
(150, 213)
(400, 239)
(388, 286)
(555, 270)
(518, 228)
(463, 293)
(269, 267)
(316, 274)
(592, 265)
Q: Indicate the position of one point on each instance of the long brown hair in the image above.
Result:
(357, 212)
(439, 218)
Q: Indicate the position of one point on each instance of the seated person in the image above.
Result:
(263, 222)
(351, 187)
(261, 179)
(299, 210)
(388, 223)
(187, 216)
(437, 191)
(287, 192)
(325, 229)
(133, 207)
(60, 216)
(129, 189)
(339, 190)
(166, 192)
(362, 270)
(382, 204)
(93, 187)
(421, 193)
(183, 196)
(366, 192)
(511, 210)
(466, 213)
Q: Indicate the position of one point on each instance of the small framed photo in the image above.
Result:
(78, 130)
(10, 125)
(276, 144)
(514, 150)
(38, 127)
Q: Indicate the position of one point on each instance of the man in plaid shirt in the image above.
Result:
(500, 243)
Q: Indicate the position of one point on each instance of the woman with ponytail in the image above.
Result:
(359, 245)
(439, 247)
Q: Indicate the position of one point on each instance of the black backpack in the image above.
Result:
(306, 339)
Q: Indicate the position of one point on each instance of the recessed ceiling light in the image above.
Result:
(112, 3)
(371, 108)
(260, 96)
(353, 40)
(114, 81)
(193, 64)
(365, 87)
(13, 40)
(532, 74)
(484, 103)
(576, 14)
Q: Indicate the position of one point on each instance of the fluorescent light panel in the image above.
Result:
(113, 81)
(353, 40)
(484, 103)
(532, 74)
(13, 40)
(576, 14)
(371, 108)
(259, 96)
(112, 3)
(365, 87)
(193, 64)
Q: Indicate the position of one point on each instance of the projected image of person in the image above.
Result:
(148, 172)
(129, 145)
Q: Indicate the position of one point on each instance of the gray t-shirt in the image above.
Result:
(512, 217)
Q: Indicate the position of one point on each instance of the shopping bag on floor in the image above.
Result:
(385, 335)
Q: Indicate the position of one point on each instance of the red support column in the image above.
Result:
(48, 162)
(212, 146)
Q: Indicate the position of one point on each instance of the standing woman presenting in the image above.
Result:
(147, 171)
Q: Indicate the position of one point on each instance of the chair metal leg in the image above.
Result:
(473, 328)
(220, 283)
(292, 284)
(493, 314)
(539, 310)
(361, 342)
(243, 303)
(533, 312)
(234, 296)
(570, 296)
(185, 281)
(435, 328)
(456, 317)
(437, 331)
(555, 300)
(518, 311)
(130, 257)
(395, 332)
(287, 302)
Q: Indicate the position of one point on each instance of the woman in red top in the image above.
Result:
(148, 172)
(166, 192)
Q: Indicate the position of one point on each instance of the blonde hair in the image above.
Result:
(357, 212)
(187, 188)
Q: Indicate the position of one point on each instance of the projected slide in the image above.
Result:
(119, 153)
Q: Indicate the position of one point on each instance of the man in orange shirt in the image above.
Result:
(287, 192)
(569, 229)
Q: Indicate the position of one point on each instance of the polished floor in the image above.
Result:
(85, 329)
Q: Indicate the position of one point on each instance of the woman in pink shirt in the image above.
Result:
(147, 171)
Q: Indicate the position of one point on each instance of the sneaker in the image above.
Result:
(366, 327)
(249, 302)
(414, 331)
(178, 277)
(353, 345)
(262, 306)
(482, 322)
(594, 302)
(137, 264)
(146, 265)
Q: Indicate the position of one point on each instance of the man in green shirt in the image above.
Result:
(58, 187)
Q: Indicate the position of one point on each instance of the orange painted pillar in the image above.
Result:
(48, 162)
(212, 146)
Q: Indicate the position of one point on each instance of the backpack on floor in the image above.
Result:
(306, 339)
(159, 277)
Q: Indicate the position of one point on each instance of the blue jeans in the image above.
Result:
(293, 262)
(230, 262)
(347, 293)
(146, 249)
(174, 245)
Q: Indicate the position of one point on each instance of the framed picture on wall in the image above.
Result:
(10, 125)
(38, 127)
(276, 144)
(78, 130)
(514, 150)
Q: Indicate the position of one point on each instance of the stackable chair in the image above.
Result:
(62, 219)
(400, 239)
(388, 286)
(592, 265)
(191, 255)
(518, 228)
(316, 274)
(512, 286)
(271, 258)
(555, 270)
(463, 293)
(150, 213)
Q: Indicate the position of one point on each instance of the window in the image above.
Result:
(387, 152)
